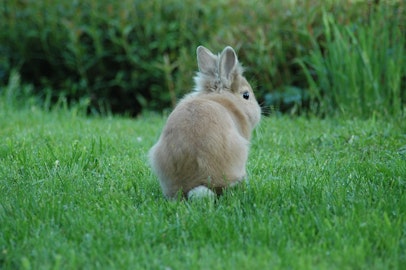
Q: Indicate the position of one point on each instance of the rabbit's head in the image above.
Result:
(223, 74)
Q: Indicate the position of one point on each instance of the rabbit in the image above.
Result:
(204, 145)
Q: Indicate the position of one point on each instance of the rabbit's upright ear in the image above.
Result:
(228, 64)
(206, 61)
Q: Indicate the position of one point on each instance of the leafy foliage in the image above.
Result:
(361, 67)
(130, 55)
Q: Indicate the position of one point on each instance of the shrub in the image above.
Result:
(131, 55)
(114, 53)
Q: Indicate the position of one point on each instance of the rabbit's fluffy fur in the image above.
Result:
(204, 145)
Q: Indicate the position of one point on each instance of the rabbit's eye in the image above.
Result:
(246, 95)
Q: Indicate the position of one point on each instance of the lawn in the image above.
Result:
(76, 192)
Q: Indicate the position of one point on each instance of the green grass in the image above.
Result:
(360, 69)
(77, 193)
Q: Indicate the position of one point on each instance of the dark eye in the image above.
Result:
(246, 95)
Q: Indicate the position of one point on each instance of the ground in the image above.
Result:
(77, 192)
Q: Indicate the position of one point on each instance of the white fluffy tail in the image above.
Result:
(200, 192)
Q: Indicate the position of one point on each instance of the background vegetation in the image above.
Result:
(345, 57)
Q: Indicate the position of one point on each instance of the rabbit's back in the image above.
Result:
(205, 142)
(201, 144)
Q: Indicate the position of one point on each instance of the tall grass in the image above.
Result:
(360, 68)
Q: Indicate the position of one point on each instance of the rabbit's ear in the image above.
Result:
(228, 63)
(206, 61)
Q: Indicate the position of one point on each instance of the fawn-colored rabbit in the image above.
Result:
(204, 145)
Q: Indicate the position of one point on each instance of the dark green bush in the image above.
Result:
(115, 53)
(131, 55)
